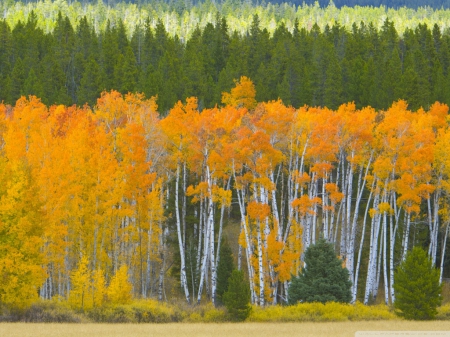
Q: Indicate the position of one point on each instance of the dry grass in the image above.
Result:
(216, 330)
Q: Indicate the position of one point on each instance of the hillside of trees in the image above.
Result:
(91, 191)
(314, 67)
(146, 149)
(323, 3)
(377, 3)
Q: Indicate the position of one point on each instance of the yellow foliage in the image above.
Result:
(207, 314)
(243, 94)
(318, 312)
(79, 297)
(119, 290)
(98, 288)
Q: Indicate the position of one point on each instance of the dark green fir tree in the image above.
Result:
(324, 279)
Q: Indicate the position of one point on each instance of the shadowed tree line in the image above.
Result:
(314, 67)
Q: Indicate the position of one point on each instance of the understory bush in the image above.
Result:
(443, 312)
(44, 311)
(206, 314)
(142, 311)
(319, 312)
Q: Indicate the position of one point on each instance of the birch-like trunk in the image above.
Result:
(444, 245)
(358, 263)
(373, 252)
(183, 280)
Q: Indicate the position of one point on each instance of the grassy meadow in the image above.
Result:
(217, 330)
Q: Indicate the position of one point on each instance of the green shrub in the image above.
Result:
(417, 288)
(324, 279)
(237, 297)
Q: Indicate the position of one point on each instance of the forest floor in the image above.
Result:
(216, 330)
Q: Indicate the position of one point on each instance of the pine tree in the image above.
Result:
(91, 83)
(32, 85)
(324, 279)
(237, 297)
(417, 289)
(17, 80)
(224, 269)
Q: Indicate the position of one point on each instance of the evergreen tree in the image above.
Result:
(32, 85)
(17, 80)
(91, 84)
(324, 279)
(126, 72)
(417, 289)
(224, 269)
(237, 297)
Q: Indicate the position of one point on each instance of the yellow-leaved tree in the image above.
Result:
(79, 298)
(119, 290)
(98, 288)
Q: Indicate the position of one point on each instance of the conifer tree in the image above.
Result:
(324, 279)
(224, 269)
(237, 297)
(417, 289)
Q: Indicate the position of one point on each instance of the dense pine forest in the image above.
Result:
(136, 156)
(316, 67)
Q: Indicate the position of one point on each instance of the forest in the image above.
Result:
(142, 154)
(121, 186)
(313, 66)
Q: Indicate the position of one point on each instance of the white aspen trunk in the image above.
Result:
(386, 284)
(212, 235)
(393, 227)
(163, 266)
(239, 257)
(351, 227)
(406, 236)
(274, 206)
(183, 280)
(282, 220)
(352, 236)
(222, 212)
(314, 217)
(444, 244)
(343, 223)
(260, 263)
(200, 233)
(433, 223)
(183, 210)
(248, 250)
(371, 268)
(204, 260)
(325, 211)
(293, 189)
(358, 263)
(376, 285)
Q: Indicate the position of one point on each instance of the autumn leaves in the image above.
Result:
(84, 193)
